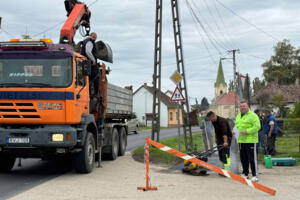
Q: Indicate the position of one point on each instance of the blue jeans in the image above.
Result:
(261, 142)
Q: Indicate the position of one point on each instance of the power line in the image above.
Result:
(7, 33)
(216, 23)
(246, 21)
(254, 56)
(48, 29)
(212, 35)
(192, 12)
(223, 23)
(58, 24)
(93, 3)
(205, 45)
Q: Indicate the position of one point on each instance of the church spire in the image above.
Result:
(220, 76)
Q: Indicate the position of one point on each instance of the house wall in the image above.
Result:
(274, 111)
(172, 121)
(226, 111)
(142, 104)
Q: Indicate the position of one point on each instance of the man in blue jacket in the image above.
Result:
(270, 129)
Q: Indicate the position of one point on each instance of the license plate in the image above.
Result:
(17, 140)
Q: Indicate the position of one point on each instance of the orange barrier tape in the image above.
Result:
(211, 167)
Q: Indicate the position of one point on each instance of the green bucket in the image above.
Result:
(268, 161)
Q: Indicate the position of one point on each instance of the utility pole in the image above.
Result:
(157, 73)
(249, 91)
(185, 109)
(235, 79)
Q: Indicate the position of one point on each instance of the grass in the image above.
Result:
(144, 128)
(286, 146)
(158, 156)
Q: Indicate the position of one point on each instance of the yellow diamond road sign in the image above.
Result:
(176, 77)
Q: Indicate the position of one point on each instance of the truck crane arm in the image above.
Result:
(78, 15)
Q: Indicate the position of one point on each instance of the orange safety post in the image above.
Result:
(212, 167)
(148, 185)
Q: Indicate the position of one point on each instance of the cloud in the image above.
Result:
(128, 26)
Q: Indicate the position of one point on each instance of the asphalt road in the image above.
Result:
(35, 171)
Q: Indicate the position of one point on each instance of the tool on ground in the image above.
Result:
(211, 167)
(197, 170)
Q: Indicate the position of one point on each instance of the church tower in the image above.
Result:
(220, 84)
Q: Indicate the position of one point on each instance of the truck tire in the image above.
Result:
(6, 163)
(114, 148)
(85, 160)
(122, 141)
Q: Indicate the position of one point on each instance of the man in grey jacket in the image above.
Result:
(208, 132)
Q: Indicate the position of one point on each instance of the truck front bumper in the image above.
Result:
(39, 137)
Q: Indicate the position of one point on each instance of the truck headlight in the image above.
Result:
(57, 137)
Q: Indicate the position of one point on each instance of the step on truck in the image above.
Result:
(47, 109)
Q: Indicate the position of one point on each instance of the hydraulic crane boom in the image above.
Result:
(78, 15)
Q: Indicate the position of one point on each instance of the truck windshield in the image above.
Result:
(36, 72)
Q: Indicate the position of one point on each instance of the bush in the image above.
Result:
(293, 121)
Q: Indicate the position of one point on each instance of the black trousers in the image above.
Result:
(95, 80)
(271, 144)
(248, 156)
(224, 153)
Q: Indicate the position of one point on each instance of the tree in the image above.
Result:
(247, 89)
(283, 67)
(257, 85)
(278, 101)
(230, 86)
(263, 99)
(204, 104)
(294, 117)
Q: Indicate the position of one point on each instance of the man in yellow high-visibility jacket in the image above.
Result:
(248, 125)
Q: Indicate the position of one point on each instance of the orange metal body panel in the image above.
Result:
(103, 87)
(70, 113)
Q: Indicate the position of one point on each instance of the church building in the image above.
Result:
(223, 103)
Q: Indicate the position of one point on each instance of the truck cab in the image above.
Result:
(45, 106)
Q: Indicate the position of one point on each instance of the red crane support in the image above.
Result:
(78, 15)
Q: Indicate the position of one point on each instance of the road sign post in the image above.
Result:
(178, 124)
(177, 97)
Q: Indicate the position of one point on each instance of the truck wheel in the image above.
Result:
(122, 141)
(6, 163)
(114, 148)
(84, 160)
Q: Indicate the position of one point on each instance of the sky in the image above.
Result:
(253, 26)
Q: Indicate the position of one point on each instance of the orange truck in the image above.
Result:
(46, 110)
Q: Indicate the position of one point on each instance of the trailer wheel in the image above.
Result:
(6, 163)
(122, 141)
(114, 148)
(85, 160)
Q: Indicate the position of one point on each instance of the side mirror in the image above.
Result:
(86, 68)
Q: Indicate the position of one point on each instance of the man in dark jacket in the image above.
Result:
(89, 50)
(223, 135)
(261, 139)
(270, 129)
